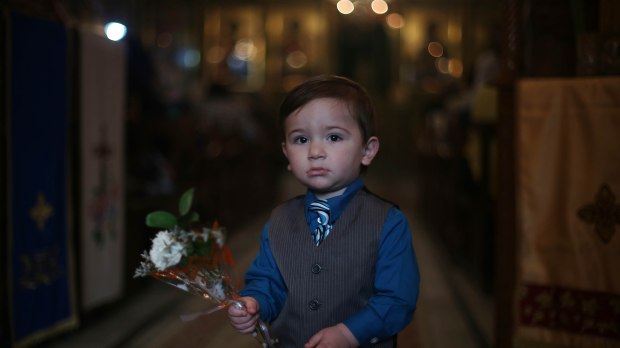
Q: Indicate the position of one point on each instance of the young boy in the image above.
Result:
(336, 267)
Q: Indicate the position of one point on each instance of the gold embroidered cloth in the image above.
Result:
(568, 213)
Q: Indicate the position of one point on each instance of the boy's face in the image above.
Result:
(324, 146)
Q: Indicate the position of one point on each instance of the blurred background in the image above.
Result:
(498, 122)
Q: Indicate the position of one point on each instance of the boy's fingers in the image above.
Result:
(243, 316)
(251, 306)
(245, 325)
(234, 311)
(240, 320)
(314, 340)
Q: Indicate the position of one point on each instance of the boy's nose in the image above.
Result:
(316, 151)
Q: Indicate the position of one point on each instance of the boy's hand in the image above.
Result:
(338, 336)
(244, 319)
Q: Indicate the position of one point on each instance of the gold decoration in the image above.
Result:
(41, 211)
(604, 213)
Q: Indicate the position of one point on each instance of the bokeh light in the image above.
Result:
(455, 67)
(442, 65)
(379, 6)
(435, 49)
(345, 6)
(188, 58)
(395, 21)
(296, 59)
(115, 31)
(245, 50)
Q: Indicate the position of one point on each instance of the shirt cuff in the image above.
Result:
(366, 326)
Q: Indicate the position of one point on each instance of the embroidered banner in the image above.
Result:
(102, 110)
(568, 170)
(583, 312)
(41, 272)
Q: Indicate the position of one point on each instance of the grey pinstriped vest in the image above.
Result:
(327, 283)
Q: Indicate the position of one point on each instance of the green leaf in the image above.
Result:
(161, 219)
(193, 217)
(185, 202)
(186, 221)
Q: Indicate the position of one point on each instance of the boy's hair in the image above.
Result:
(330, 86)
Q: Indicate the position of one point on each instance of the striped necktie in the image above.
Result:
(321, 207)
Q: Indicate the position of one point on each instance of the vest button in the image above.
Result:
(316, 268)
(314, 304)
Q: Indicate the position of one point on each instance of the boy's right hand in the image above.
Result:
(244, 319)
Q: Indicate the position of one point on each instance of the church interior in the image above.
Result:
(497, 121)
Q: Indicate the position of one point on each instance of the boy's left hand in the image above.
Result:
(338, 336)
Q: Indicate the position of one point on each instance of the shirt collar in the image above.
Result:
(337, 204)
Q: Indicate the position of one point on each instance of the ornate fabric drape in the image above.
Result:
(102, 157)
(568, 213)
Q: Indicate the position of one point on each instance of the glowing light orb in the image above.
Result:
(115, 31)
(345, 6)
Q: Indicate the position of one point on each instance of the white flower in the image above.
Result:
(219, 236)
(166, 250)
(145, 267)
(205, 234)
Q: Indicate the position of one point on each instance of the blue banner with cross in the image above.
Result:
(41, 280)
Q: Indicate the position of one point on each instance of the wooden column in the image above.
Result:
(505, 251)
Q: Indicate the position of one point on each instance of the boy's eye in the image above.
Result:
(300, 140)
(334, 137)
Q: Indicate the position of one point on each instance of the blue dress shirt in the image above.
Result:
(397, 277)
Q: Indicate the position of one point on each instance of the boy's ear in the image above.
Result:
(370, 150)
(285, 154)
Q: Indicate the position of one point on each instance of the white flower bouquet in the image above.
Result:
(193, 258)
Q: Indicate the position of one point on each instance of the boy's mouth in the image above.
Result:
(316, 171)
